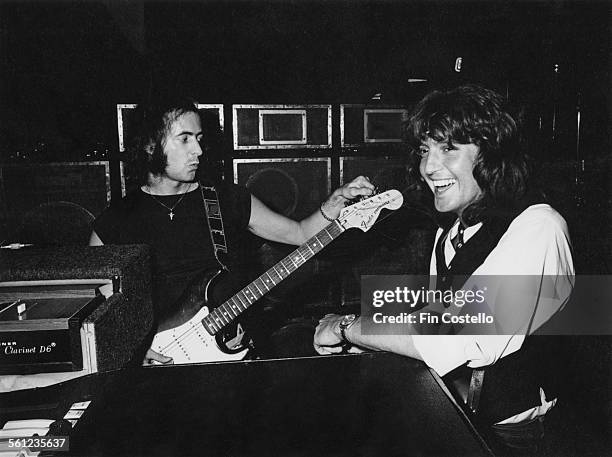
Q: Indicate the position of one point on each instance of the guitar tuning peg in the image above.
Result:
(375, 192)
(363, 197)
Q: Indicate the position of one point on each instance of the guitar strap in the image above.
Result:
(214, 218)
(212, 210)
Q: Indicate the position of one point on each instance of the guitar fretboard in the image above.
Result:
(238, 303)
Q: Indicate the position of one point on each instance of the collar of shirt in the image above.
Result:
(469, 232)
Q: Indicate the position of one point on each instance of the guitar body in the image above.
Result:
(182, 336)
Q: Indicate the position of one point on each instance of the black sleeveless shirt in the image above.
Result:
(181, 247)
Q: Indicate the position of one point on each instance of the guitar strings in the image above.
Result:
(194, 329)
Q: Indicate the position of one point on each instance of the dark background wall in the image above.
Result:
(65, 65)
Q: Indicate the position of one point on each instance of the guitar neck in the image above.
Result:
(223, 315)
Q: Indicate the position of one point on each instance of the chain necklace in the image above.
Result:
(170, 208)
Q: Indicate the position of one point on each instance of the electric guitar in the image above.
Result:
(194, 332)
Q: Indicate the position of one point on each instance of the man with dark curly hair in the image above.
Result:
(470, 154)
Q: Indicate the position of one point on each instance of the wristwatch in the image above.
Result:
(345, 323)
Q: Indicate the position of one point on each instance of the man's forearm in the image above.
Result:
(328, 338)
(398, 344)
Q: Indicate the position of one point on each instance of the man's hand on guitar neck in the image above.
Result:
(358, 187)
(155, 358)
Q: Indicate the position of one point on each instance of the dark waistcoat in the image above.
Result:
(511, 385)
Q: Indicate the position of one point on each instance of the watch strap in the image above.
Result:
(345, 323)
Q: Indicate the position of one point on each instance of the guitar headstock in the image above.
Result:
(364, 213)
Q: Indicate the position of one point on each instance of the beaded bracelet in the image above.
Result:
(325, 216)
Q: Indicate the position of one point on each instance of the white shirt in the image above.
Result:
(536, 244)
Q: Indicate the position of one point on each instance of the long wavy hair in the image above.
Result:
(480, 116)
(153, 123)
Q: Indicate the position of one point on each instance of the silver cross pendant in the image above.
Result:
(171, 214)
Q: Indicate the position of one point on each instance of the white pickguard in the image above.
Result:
(191, 343)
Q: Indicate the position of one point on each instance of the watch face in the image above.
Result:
(348, 320)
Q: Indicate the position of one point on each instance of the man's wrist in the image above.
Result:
(345, 323)
(336, 328)
(332, 207)
(325, 216)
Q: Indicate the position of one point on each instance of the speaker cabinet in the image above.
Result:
(386, 172)
(211, 115)
(364, 125)
(52, 203)
(291, 186)
(281, 126)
